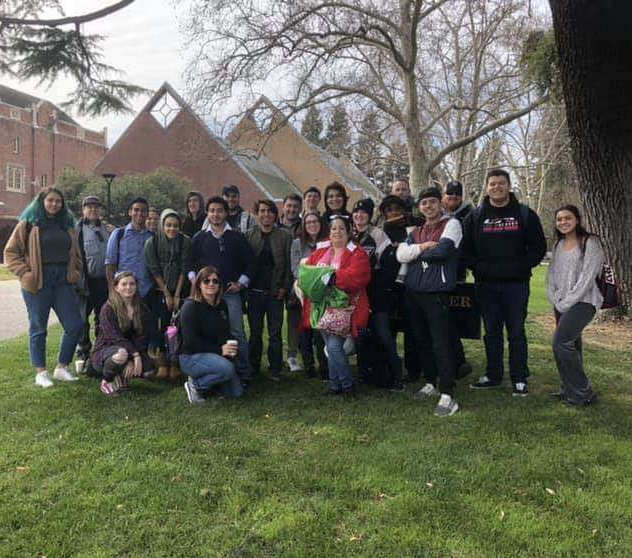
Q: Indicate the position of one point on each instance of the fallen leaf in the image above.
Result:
(429, 484)
(21, 469)
(120, 507)
(208, 443)
(594, 532)
(581, 470)
(358, 537)
(502, 515)
(381, 496)
(363, 438)
(205, 491)
(176, 478)
(267, 416)
(550, 491)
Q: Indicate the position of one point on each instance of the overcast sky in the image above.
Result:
(143, 40)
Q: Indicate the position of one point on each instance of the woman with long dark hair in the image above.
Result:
(44, 253)
(577, 260)
(311, 232)
(120, 350)
(206, 352)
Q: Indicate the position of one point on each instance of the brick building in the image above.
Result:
(263, 130)
(37, 141)
(168, 133)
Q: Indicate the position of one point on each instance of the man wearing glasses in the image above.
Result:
(228, 251)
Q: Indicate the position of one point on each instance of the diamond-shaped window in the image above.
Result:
(165, 110)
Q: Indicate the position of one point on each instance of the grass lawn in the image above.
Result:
(5, 274)
(288, 472)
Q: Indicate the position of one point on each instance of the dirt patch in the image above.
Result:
(615, 335)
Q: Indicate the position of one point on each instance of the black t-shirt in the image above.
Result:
(264, 266)
(54, 243)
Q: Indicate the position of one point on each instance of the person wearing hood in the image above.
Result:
(336, 198)
(166, 256)
(503, 241)
(194, 213)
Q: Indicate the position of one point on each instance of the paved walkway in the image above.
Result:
(13, 318)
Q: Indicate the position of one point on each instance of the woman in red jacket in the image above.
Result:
(353, 273)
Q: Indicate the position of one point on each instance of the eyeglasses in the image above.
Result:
(210, 281)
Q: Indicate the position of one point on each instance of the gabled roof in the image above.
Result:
(268, 174)
(26, 101)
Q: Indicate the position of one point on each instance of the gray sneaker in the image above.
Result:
(193, 394)
(427, 392)
(446, 407)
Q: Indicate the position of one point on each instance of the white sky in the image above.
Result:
(142, 39)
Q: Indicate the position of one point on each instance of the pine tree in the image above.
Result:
(312, 126)
(338, 136)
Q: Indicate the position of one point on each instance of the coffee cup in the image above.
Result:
(79, 366)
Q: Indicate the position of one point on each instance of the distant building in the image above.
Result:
(38, 141)
(263, 130)
(168, 133)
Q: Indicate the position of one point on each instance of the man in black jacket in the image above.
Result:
(271, 282)
(503, 240)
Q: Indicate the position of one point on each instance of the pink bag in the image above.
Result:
(336, 321)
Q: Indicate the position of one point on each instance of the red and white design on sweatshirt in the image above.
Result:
(496, 225)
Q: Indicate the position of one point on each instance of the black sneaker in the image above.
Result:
(587, 403)
(398, 386)
(332, 392)
(485, 383)
(463, 370)
(520, 390)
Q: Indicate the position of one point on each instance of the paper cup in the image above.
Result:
(79, 366)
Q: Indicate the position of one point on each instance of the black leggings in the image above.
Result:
(113, 369)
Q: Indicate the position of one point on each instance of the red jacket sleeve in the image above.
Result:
(354, 272)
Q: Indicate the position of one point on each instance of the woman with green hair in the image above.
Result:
(44, 254)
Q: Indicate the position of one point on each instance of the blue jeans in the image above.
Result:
(262, 305)
(505, 304)
(339, 370)
(208, 370)
(59, 295)
(236, 324)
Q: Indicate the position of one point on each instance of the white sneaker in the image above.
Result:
(42, 379)
(294, 364)
(427, 391)
(63, 374)
(446, 407)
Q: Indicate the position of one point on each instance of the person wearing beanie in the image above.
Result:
(432, 254)
(381, 289)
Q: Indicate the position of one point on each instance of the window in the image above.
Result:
(16, 114)
(81, 134)
(15, 178)
(165, 110)
(16, 145)
(44, 180)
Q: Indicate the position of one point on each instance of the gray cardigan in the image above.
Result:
(571, 276)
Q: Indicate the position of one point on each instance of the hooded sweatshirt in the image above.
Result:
(191, 224)
(167, 258)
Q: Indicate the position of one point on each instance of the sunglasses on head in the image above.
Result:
(210, 281)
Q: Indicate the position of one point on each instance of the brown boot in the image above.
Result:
(174, 371)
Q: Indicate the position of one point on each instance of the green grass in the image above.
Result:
(5, 274)
(288, 472)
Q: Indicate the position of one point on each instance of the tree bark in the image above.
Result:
(595, 59)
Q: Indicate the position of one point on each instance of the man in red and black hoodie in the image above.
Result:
(503, 241)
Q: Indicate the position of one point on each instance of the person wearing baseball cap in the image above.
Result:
(432, 254)
(238, 219)
(92, 236)
(381, 290)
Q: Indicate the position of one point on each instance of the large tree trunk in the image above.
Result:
(595, 55)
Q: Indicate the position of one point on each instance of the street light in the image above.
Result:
(109, 178)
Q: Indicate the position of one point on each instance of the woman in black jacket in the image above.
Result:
(206, 352)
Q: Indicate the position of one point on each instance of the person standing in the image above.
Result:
(578, 258)
(270, 283)
(454, 206)
(206, 355)
(44, 254)
(194, 214)
(401, 189)
(335, 202)
(503, 241)
(238, 219)
(311, 233)
(291, 222)
(432, 254)
(381, 289)
(92, 237)
(311, 200)
(352, 273)
(166, 256)
(229, 252)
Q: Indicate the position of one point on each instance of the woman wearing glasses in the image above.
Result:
(206, 352)
(120, 350)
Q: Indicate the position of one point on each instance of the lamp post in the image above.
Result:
(109, 178)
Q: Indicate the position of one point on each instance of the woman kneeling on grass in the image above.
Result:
(577, 260)
(120, 350)
(205, 352)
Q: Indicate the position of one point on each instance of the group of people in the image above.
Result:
(168, 293)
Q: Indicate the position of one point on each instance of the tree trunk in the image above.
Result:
(595, 57)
